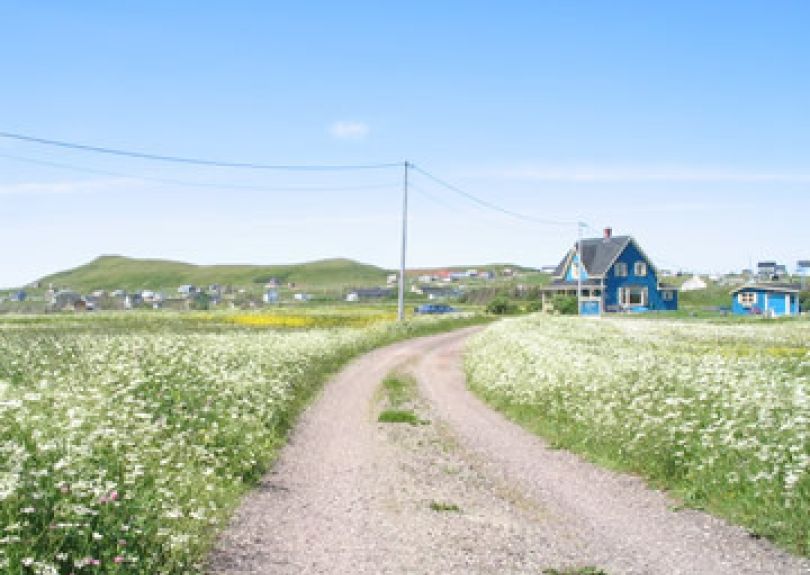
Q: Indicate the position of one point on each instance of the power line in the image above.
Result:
(195, 161)
(190, 184)
(492, 206)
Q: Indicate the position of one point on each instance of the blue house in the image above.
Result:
(770, 299)
(616, 276)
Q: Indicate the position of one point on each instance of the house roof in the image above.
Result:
(559, 285)
(772, 287)
(598, 254)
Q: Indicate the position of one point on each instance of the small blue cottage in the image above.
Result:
(770, 299)
(616, 276)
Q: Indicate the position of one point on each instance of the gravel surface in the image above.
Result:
(468, 492)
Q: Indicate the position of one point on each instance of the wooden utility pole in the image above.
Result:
(401, 299)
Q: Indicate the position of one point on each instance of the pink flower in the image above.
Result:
(118, 559)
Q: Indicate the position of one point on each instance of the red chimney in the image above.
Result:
(608, 233)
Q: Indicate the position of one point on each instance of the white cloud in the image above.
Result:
(349, 130)
(607, 175)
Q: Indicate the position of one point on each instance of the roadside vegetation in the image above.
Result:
(126, 442)
(398, 396)
(718, 412)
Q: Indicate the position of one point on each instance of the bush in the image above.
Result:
(501, 306)
(804, 300)
(564, 304)
(534, 305)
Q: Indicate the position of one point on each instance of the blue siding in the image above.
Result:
(589, 308)
(613, 283)
(767, 302)
(569, 276)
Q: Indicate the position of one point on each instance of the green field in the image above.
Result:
(126, 440)
(117, 272)
(717, 411)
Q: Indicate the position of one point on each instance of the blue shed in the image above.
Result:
(770, 299)
(616, 276)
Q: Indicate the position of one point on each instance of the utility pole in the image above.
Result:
(580, 225)
(401, 300)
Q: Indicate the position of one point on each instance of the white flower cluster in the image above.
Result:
(720, 411)
(125, 450)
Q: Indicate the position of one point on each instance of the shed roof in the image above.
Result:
(771, 287)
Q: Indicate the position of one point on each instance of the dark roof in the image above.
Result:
(597, 255)
(559, 285)
(772, 286)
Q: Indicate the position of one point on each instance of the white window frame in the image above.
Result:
(620, 269)
(667, 295)
(640, 268)
(626, 293)
(747, 298)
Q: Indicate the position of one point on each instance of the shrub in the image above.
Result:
(564, 304)
(500, 305)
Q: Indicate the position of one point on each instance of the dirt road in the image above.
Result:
(468, 492)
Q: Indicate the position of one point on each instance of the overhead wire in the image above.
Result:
(187, 183)
(491, 205)
(260, 166)
(194, 161)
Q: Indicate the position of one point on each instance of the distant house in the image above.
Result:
(18, 296)
(270, 296)
(616, 276)
(770, 299)
(438, 292)
(695, 283)
(369, 293)
(803, 268)
(302, 297)
(66, 300)
(187, 290)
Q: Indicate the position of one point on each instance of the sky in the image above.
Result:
(684, 124)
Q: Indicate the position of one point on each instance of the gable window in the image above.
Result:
(620, 269)
(575, 269)
(640, 268)
(747, 298)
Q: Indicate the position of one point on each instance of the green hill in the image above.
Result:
(118, 272)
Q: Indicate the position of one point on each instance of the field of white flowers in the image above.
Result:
(123, 452)
(719, 412)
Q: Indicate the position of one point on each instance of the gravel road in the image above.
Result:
(468, 492)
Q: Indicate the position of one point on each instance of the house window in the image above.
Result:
(575, 269)
(620, 270)
(747, 298)
(640, 269)
(666, 295)
(633, 296)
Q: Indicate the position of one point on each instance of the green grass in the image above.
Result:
(399, 416)
(442, 507)
(118, 272)
(399, 394)
(575, 571)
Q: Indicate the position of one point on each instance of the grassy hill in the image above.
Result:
(114, 272)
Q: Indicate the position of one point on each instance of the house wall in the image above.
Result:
(767, 302)
(630, 256)
(569, 276)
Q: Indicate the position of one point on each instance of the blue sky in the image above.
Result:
(685, 124)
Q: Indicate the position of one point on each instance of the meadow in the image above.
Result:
(717, 412)
(126, 440)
